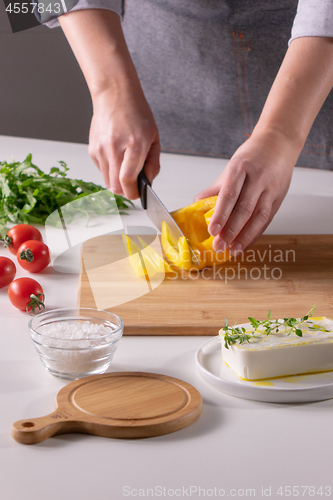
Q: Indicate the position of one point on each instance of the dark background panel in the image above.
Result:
(42, 91)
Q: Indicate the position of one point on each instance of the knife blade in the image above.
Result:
(157, 212)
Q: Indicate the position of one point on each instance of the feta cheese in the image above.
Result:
(279, 354)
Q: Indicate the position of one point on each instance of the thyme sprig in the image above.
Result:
(233, 334)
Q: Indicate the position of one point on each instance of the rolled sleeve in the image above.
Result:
(50, 19)
(313, 18)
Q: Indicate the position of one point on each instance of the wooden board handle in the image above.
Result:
(36, 430)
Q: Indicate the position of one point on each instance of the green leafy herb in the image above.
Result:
(29, 195)
(233, 334)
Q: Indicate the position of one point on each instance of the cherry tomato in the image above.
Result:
(26, 294)
(19, 234)
(33, 256)
(7, 271)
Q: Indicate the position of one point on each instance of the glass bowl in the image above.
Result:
(77, 342)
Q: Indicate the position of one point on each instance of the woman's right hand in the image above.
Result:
(123, 133)
(123, 139)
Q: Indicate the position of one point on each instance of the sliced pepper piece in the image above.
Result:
(178, 252)
(193, 220)
(153, 260)
(135, 257)
(145, 262)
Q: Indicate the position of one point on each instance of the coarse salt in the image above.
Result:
(76, 334)
(76, 346)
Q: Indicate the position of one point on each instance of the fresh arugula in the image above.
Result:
(233, 334)
(29, 195)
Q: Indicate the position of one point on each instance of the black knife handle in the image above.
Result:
(143, 182)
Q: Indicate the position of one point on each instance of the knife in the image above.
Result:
(157, 212)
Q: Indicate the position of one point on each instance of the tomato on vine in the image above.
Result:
(19, 234)
(33, 256)
(27, 295)
(7, 271)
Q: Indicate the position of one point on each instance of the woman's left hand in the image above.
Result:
(253, 185)
(250, 190)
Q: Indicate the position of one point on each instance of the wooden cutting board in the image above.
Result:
(287, 274)
(116, 405)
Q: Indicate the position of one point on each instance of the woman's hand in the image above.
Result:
(123, 133)
(250, 190)
(123, 139)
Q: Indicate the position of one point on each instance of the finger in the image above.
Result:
(114, 164)
(93, 154)
(242, 212)
(152, 163)
(100, 159)
(131, 166)
(275, 207)
(259, 233)
(256, 225)
(232, 183)
(96, 152)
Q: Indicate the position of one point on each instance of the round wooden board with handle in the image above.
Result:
(116, 405)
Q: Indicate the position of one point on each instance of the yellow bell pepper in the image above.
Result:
(193, 220)
(134, 256)
(154, 260)
(145, 261)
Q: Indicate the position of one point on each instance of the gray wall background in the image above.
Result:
(42, 91)
(43, 95)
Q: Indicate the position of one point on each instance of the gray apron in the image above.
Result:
(206, 67)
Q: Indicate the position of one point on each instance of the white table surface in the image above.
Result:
(234, 446)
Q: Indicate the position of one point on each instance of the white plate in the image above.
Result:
(295, 389)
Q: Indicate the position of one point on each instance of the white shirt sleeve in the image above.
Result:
(313, 18)
(114, 5)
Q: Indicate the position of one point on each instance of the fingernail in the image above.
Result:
(214, 230)
(235, 249)
(221, 246)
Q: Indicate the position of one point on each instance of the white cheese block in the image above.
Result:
(280, 354)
